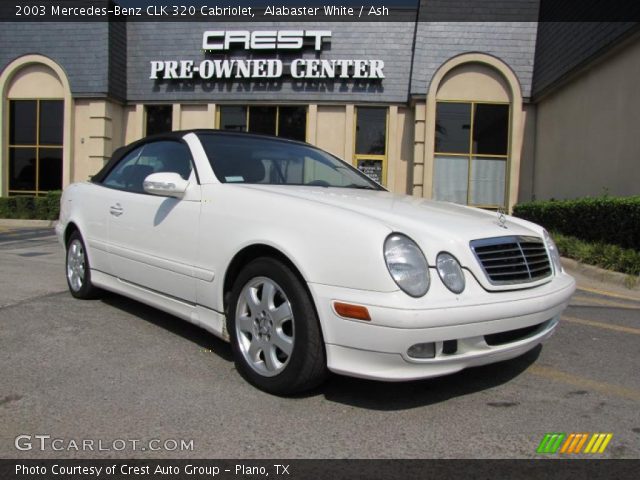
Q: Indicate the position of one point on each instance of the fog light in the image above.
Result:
(422, 350)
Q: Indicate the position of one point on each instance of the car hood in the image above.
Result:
(448, 222)
(435, 226)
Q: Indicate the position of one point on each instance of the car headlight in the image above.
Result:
(450, 272)
(407, 265)
(554, 253)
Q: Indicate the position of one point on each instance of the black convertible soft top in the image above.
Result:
(119, 153)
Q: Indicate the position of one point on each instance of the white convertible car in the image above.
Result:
(305, 264)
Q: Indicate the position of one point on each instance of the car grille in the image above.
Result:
(513, 259)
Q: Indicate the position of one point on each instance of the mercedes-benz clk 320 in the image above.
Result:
(305, 264)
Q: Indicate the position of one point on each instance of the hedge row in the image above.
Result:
(40, 208)
(610, 220)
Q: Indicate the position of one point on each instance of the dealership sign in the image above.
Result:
(222, 41)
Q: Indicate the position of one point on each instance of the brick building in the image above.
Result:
(485, 113)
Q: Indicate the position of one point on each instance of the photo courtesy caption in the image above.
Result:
(124, 469)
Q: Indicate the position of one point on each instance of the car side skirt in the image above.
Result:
(210, 320)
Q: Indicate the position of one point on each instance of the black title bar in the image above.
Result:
(320, 10)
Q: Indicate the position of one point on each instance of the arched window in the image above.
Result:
(471, 152)
(35, 111)
(474, 107)
(35, 146)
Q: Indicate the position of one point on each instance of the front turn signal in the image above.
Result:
(347, 310)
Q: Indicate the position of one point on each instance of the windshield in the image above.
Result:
(246, 159)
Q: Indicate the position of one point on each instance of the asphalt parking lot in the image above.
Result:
(115, 369)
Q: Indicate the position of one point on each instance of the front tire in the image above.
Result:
(78, 270)
(274, 329)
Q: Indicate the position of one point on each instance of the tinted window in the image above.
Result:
(162, 156)
(491, 129)
(50, 168)
(159, 119)
(35, 151)
(233, 118)
(288, 122)
(22, 169)
(167, 156)
(262, 120)
(51, 122)
(292, 123)
(22, 118)
(371, 131)
(453, 124)
(464, 133)
(120, 177)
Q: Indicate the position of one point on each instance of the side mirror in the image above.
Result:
(166, 184)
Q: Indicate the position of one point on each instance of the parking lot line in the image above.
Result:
(607, 303)
(607, 293)
(606, 326)
(584, 383)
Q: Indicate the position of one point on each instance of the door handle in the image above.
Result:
(116, 210)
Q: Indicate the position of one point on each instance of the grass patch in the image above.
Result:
(600, 254)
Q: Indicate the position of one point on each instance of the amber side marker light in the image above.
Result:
(352, 311)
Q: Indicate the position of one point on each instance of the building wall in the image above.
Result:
(400, 178)
(332, 130)
(80, 48)
(436, 42)
(105, 72)
(118, 60)
(197, 116)
(390, 42)
(587, 138)
(527, 161)
(97, 132)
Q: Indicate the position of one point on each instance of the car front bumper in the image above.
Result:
(377, 349)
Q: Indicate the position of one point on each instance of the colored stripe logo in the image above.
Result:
(556, 442)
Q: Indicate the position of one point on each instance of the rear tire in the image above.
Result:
(275, 333)
(78, 269)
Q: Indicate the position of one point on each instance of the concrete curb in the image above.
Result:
(601, 275)
(17, 223)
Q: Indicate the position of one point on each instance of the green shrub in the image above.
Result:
(41, 208)
(607, 220)
(25, 207)
(611, 257)
(7, 207)
(53, 204)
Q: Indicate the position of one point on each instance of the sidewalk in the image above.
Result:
(16, 223)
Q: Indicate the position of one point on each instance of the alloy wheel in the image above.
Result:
(265, 326)
(75, 265)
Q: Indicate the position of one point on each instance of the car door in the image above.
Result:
(153, 239)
